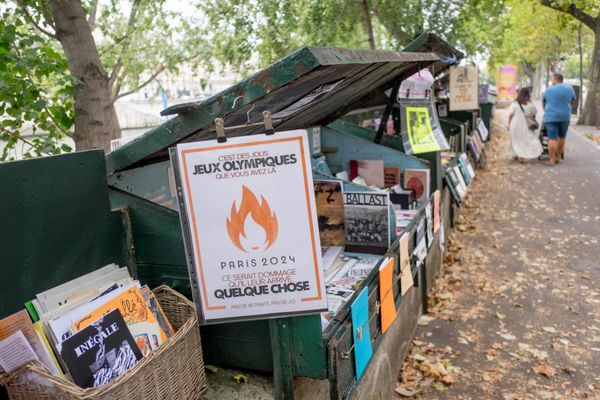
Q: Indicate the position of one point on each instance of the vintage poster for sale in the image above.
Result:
(464, 88)
(421, 130)
(248, 214)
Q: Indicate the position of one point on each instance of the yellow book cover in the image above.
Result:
(135, 311)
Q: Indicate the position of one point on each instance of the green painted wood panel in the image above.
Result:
(359, 74)
(56, 224)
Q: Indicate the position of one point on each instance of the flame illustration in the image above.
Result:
(261, 214)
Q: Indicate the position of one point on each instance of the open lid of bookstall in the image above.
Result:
(428, 42)
(312, 86)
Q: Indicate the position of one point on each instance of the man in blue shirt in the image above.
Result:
(557, 115)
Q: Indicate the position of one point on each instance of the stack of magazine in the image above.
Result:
(343, 274)
(90, 330)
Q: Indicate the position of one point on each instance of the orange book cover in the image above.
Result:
(386, 294)
(136, 313)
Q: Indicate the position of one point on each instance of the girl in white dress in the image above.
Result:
(524, 141)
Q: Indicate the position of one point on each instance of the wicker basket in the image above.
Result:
(174, 371)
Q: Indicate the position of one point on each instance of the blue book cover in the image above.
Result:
(360, 332)
(463, 169)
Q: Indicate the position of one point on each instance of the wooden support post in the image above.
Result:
(388, 111)
(435, 161)
(281, 347)
(424, 288)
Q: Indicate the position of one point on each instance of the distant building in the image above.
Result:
(186, 85)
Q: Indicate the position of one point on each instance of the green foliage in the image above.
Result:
(36, 91)
(138, 41)
(571, 67)
(479, 26)
(588, 6)
(535, 33)
(244, 30)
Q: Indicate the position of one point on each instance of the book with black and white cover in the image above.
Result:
(474, 150)
(364, 266)
(367, 222)
(454, 185)
(420, 250)
(403, 199)
(483, 130)
(100, 352)
(340, 292)
(461, 179)
(464, 172)
(467, 164)
(429, 224)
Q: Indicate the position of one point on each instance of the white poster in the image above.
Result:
(251, 226)
(464, 88)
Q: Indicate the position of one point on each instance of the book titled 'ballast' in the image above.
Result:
(100, 352)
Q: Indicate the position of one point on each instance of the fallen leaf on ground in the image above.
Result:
(240, 378)
(211, 368)
(406, 391)
(544, 369)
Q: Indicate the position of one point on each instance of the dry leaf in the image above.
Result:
(425, 320)
(545, 369)
(448, 379)
(405, 391)
(240, 378)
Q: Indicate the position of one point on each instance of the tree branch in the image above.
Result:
(364, 6)
(574, 11)
(130, 28)
(92, 16)
(117, 42)
(47, 14)
(34, 23)
(152, 77)
(25, 141)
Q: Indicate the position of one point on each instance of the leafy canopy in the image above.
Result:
(36, 90)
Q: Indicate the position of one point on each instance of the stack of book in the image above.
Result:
(90, 330)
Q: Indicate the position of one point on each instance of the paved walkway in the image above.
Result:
(516, 314)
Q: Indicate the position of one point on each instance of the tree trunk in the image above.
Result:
(537, 82)
(96, 121)
(529, 70)
(364, 5)
(591, 108)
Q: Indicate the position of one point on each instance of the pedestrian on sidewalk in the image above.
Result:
(523, 126)
(557, 116)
